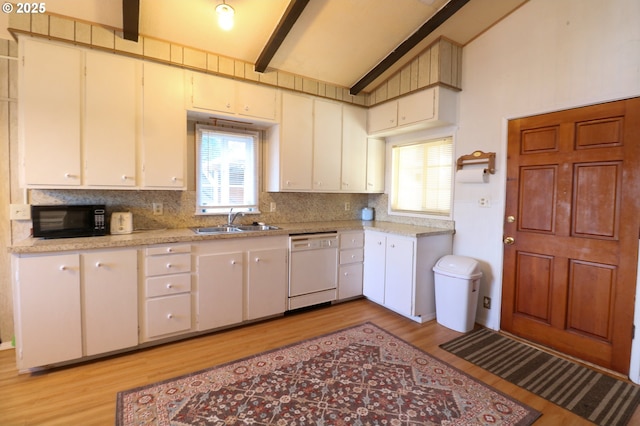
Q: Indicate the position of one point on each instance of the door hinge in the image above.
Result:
(633, 332)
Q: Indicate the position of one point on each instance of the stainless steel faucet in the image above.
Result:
(232, 216)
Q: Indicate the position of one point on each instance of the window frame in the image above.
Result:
(224, 209)
(427, 214)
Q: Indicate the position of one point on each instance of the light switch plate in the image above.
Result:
(20, 211)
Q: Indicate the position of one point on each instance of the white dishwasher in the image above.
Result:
(313, 269)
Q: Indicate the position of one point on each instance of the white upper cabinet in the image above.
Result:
(85, 120)
(213, 93)
(327, 145)
(256, 101)
(375, 165)
(354, 149)
(432, 107)
(50, 109)
(112, 108)
(232, 98)
(164, 128)
(296, 143)
(319, 146)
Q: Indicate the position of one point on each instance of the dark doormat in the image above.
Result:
(597, 397)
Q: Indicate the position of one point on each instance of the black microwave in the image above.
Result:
(67, 221)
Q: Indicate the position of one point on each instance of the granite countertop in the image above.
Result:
(187, 235)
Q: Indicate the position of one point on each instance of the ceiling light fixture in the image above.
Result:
(225, 15)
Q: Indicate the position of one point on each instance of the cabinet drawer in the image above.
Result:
(351, 256)
(168, 285)
(350, 240)
(166, 315)
(182, 248)
(168, 264)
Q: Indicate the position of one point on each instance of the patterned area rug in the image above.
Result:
(358, 376)
(599, 398)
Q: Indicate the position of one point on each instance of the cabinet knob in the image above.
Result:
(169, 286)
(233, 262)
(228, 105)
(393, 245)
(169, 316)
(379, 243)
(346, 274)
(125, 177)
(99, 264)
(169, 266)
(169, 249)
(69, 176)
(257, 259)
(246, 107)
(63, 268)
(174, 179)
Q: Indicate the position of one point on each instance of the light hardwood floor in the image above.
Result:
(85, 394)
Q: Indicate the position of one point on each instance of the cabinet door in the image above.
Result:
(350, 281)
(374, 266)
(416, 107)
(112, 105)
(354, 149)
(48, 318)
(164, 122)
(213, 93)
(256, 101)
(49, 105)
(296, 142)
(219, 290)
(399, 274)
(266, 283)
(327, 145)
(110, 300)
(375, 165)
(383, 116)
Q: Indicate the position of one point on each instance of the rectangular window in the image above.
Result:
(422, 177)
(226, 170)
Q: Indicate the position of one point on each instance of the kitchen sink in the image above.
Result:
(230, 229)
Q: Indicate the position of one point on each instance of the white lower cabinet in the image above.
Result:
(240, 279)
(110, 300)
(67, 306)
(219, 289)
(350, 270)
(166, 307)
(266, 282)
(398, 271)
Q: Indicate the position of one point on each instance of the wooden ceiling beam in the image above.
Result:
(427, 28)
(291, 15)
(130, 19)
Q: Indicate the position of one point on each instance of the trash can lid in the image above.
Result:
(458, 267)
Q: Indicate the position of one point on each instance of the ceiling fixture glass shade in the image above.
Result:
(225, 16)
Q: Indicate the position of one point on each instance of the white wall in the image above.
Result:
(548, 55)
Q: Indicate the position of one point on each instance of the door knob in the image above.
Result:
(509, 240)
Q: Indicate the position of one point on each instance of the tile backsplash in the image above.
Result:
(179, 208)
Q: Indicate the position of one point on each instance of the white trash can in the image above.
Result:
(457, 282)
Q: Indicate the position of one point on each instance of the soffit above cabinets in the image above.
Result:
(333, 41)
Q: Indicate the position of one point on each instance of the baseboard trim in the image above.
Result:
(5, 345)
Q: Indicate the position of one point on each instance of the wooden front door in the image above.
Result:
(571, 230)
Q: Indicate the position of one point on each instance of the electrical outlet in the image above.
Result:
(19, 211)
(347, 206)
(486, 302)
(272, 206)
(484, 202)
(158, 209)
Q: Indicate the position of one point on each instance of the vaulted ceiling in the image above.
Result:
(334, 41)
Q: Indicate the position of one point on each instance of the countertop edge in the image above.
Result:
(187, 235)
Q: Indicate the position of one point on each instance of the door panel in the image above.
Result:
(573, 215)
